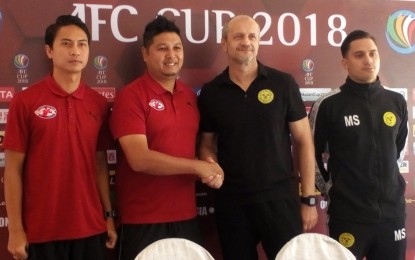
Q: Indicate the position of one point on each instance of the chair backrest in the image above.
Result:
(174, 249)
(314, 246)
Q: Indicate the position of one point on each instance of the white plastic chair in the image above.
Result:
(314, 246)
(174, 249)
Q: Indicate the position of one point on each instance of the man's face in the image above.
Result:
(164, 57)
(70, 50)
(242, 40)
(362, 61)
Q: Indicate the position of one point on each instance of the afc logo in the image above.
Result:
(352, 120)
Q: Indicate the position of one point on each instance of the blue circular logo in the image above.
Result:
(400, 31)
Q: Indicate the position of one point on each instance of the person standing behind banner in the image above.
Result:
(56, 178)
(155, 121)
(363, 128)
(247, 116)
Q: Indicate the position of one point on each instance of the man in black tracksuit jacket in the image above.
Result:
(361, 128)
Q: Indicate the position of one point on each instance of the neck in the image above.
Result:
(168, 83)
(69, 83)
(243, 75)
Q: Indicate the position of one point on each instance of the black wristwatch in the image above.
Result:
(310, 200)
(110, 214)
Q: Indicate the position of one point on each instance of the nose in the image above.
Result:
(369, 59)
(245, 40)
(75, 52)
(170, 54)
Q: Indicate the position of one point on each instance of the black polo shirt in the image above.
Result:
(254, 147)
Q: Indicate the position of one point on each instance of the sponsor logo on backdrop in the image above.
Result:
(400, 31)
(101, 63)
(1, 160)
(3, 115)
(402, 91)
(21, 62)
(6, 94)
(112, 177)
(1, 20)
(4, 221)
(205, 211)
(312, 94)
(1, 138)
(112, 156)
(108, 93)
(308, 67)
(404, 166)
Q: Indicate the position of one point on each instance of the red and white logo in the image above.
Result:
(46, 112)
(6, 94)
(108, 93)
(3, 115)
(156, 104)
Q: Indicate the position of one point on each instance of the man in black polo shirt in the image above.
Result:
(248, 114)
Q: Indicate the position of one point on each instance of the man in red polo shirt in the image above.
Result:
(56, 178)
(155, 120)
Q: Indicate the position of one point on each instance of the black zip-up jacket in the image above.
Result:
(362, 129)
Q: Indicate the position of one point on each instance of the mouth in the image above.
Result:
(170, 64)
(245, 49)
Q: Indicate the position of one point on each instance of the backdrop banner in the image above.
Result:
(298, 36)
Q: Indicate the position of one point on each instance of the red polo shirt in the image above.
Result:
(170, 123)
(58, 132)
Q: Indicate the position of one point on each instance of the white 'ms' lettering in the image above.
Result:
(352, 120)
(400, 234)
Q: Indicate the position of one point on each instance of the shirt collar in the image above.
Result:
(262, 72)
(58, 91)
(157, 88)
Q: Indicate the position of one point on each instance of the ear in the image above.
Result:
(144, 52)
(48, 51)
(345, 64)
(224, 45)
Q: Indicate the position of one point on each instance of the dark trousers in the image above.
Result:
(90, 248)
(242, 227)
(375, 241)
(134, 238)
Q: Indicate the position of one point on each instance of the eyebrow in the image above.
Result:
(361, 51)
(70, 40)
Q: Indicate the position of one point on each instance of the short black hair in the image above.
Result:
(61, 21)
(159, 25)
(355, 35)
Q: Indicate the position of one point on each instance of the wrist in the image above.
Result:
(310, 201)
(110, 214)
